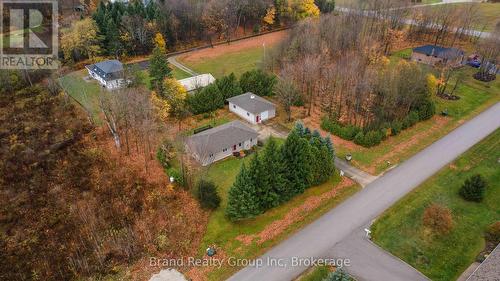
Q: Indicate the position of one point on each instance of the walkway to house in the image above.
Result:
(173, 61)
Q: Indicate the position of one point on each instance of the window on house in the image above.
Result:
(248, 114)
(234, 106)
(211, 155)
(224, 150)
(251, 140)
(240, 144)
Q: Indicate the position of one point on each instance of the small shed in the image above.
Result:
(252, 108)
(197, 82)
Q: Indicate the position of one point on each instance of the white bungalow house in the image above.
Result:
(197, 82)
(252, 108)
(108, 73)
(220, 142)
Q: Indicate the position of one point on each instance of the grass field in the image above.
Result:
(400, 231)
(223, 233)
(237, 62)
(317, 273)
(488, 13)
(475, 96)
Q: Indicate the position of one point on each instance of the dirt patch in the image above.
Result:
(268, 39)
(295, 215)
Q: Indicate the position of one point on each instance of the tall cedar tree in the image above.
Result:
(206, 100)
(297, 157)
(243, 201)
(229, 86)
(159, 69)
(274, 177)
(258, 82)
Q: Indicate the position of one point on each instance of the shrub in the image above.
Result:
(396, 127)
(426, 109)
(410, 120)
(229, 86)
(438, 218)
(473, 188)
(165, 153)
(493, 233)
(359, 138)
(206, 193)
(177, 175)
(338, 275)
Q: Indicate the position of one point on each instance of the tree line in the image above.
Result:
(279, 173)
(119, 29)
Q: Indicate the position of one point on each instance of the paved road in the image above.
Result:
(369, 262)
(316, 239)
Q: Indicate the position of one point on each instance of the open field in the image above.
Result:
(400, 231)
(475, 96)
(250, 238)
(238, 57)
(487, 12)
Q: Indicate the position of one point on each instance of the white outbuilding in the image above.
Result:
(252, 108)
(197, 82)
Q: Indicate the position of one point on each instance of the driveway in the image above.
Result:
(316, 239)
(369, 262)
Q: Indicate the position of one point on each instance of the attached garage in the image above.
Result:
(252, 108)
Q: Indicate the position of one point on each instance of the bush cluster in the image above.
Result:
(438, 218)
(207, 195)
(374, 135)
(473, 188)
(279, 173)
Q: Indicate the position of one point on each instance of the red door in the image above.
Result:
(258, 118)
(234, 147)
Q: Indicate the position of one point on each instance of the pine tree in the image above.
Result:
(329, 145)
(242, 198)
(159, 69)
(229, 86)
(274, 177)
(473, 188)
(297, 158)
(207, 195)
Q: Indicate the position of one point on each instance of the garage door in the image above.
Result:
(264, 115)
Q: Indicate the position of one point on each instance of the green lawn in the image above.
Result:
(221, 232)
(399, 230)
(475, 96)
(85, 92)
(237, 62)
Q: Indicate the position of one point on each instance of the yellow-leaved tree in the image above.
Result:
(270, 16)
(81, 40)
(302, 9)
(159, 42)
(173, 100)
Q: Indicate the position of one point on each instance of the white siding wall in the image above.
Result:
(110, 85)
(245, 145)
(242, 113)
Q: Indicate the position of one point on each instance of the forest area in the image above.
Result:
(341, 70)
(118, 30)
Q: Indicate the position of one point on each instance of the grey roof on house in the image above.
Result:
(108, 69)
(438, 51)
(252, 103)
(489, 270)
(218, 138)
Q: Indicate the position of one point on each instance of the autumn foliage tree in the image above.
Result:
(438, 218)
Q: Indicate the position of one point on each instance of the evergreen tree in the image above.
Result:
(325, 6)
(258, 82)
(206, 100)
(243, 201)
(338, 275)
(274, 177)
(206, 193)
(112, 42)
(229, 86)
(473, 188)
(158, 68)
(297, 158)
(329, 144)
(299, 128)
